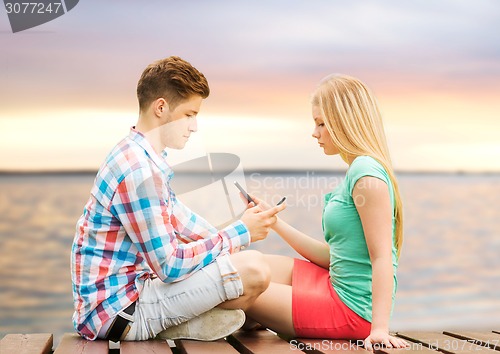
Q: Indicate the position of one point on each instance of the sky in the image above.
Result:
(67, 87)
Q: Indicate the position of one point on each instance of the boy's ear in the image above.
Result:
(160, 105)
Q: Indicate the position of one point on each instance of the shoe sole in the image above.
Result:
(230, 325)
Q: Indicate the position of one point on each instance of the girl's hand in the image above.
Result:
(383, 337)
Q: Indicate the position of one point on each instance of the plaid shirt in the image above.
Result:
(133, 227)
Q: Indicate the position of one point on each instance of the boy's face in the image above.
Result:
(180, 123)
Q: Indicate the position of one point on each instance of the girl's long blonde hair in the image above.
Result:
(352, 118)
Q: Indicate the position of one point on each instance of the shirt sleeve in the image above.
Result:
(141, 204)
(365, 166)
(192, 227)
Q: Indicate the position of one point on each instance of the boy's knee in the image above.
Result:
(254, 271)
(260, 273)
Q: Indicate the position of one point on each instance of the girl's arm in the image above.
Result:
(315, 251)
(372, 199)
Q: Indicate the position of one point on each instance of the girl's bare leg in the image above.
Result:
(281, 268)
(273, 308)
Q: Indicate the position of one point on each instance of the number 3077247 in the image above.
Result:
(33, 7)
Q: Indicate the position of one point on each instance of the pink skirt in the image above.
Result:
(317, 310)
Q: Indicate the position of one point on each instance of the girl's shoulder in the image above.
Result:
(363, 166)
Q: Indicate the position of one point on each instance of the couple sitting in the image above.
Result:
(144, 265)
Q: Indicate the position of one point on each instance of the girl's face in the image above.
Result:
(321, 133)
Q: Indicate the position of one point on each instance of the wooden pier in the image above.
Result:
(257, 342)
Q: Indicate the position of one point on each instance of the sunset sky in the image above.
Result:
(67, 88)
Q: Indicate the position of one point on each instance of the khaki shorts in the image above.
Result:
(162, 305)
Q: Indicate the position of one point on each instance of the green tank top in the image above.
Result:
(350, 266)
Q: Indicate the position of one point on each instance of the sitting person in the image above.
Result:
(142, 263)
(346, 288)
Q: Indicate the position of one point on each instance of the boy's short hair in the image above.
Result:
(173, 79)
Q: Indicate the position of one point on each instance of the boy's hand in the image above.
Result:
(259, 221)
(262, 204)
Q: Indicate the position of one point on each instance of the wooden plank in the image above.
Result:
(196, 347)
(414, 348)
(326, 346)
(487, 339)
(40, 343)
(259, 342)
(72, 343)
(152, 346)
(444, 343)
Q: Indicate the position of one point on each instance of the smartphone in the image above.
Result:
(281, 201)
(245, 194)
(249, 199)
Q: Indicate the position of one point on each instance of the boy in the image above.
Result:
(142, 263)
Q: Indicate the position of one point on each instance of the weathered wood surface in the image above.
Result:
(146, 347)
(413, 349)
(257, 342)
(40, 343)
(195, 347)
(445, 343)
(74, 344)
(487, 339)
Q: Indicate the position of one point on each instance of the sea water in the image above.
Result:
(449, 273)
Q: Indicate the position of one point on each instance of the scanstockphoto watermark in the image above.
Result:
(302, 191)
(341, 345)
(446, 345)
(324, 345)
(24, 14)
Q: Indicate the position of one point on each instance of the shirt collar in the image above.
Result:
(159, 160)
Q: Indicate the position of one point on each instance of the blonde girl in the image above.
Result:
(346, 288)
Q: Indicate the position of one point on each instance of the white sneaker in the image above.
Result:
(212, 325)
